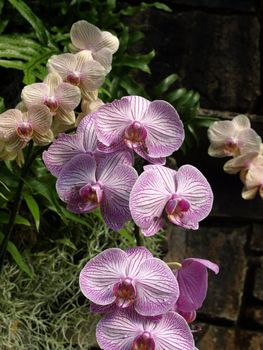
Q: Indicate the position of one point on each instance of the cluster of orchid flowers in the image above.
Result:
(237, 139)
(148, 305)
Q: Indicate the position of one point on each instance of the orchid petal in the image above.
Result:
(117, 184)
(87, 128)
(111, 120)
(148, 199)
(141, 151)
(52, 81)
(168, 176)
(173, 333)
(8, 122)
(156, 286)
(249, 193)
(43, 139)
(69, 96)
(62, 64)
(34, 94)
(92, 76)
(64, 118)
(165, 132)
(193, 280)
(108, 41)
(75, 174)
(99, 275)
(64, 148)
(136, 256)
(249, 141)
(193, 187)
(118, 331)
(104, 57)
(241, 122)
(40, 117)
(233, 166)
(85, 35)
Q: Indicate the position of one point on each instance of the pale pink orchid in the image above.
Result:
(101, 44)
(86, 183)
(18, 128)
(253, 179)
(227, 137)
(126, 330)
(192, 279)
(84, 141)
(79, 70)
(129, 279)
(61, 98)
(151, 129)
(184, 197)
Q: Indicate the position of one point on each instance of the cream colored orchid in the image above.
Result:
(61, 98)
(101, 44)
(227, 137)
(253, 179)
(18, 128)
(89, 105)
(79, 70)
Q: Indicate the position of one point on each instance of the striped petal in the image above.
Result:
(193, 187)
(69, 96)
(40, 117)
(111, 121)
(62, 150)
(148, 199)
(136, 256)
(84, 35)
(173, 333)
(34, 94)
(157, 288)
(78, 172)
(165, 132)
(117, 180)
(99, 275)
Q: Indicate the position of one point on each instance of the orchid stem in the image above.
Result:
(137, 235)
(17, 203)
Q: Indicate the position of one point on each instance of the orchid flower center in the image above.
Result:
(135, 135)
(24, 130)
(73, 78)
(52, 103)
(143, 342)
(231, 148)
(176, 208)
(92, 194)
(125, 292)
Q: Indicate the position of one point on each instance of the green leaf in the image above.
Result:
(67, 242)
(20, 220)
(111, 4)
(127, 235)
(137, 61)
(173, 96)
(34, 208)
(159, 6)
(165, 84)
(12, 249)
(32, 19)
(12, 64)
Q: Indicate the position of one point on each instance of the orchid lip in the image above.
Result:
(73, 78)
(91, 193)
(231, 148)
(143, 342)
(135, 135)
(125, 292)
(24, 130)
(176, 208)
(52, 103)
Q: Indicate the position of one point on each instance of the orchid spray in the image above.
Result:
(147, 304)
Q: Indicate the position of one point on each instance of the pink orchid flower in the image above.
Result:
(184, 196)
(130, 331)
(61, 98)
(152, 129)
(227, 137)
(18, 128)
(85, 184)
(131, 278)
(192, 279)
